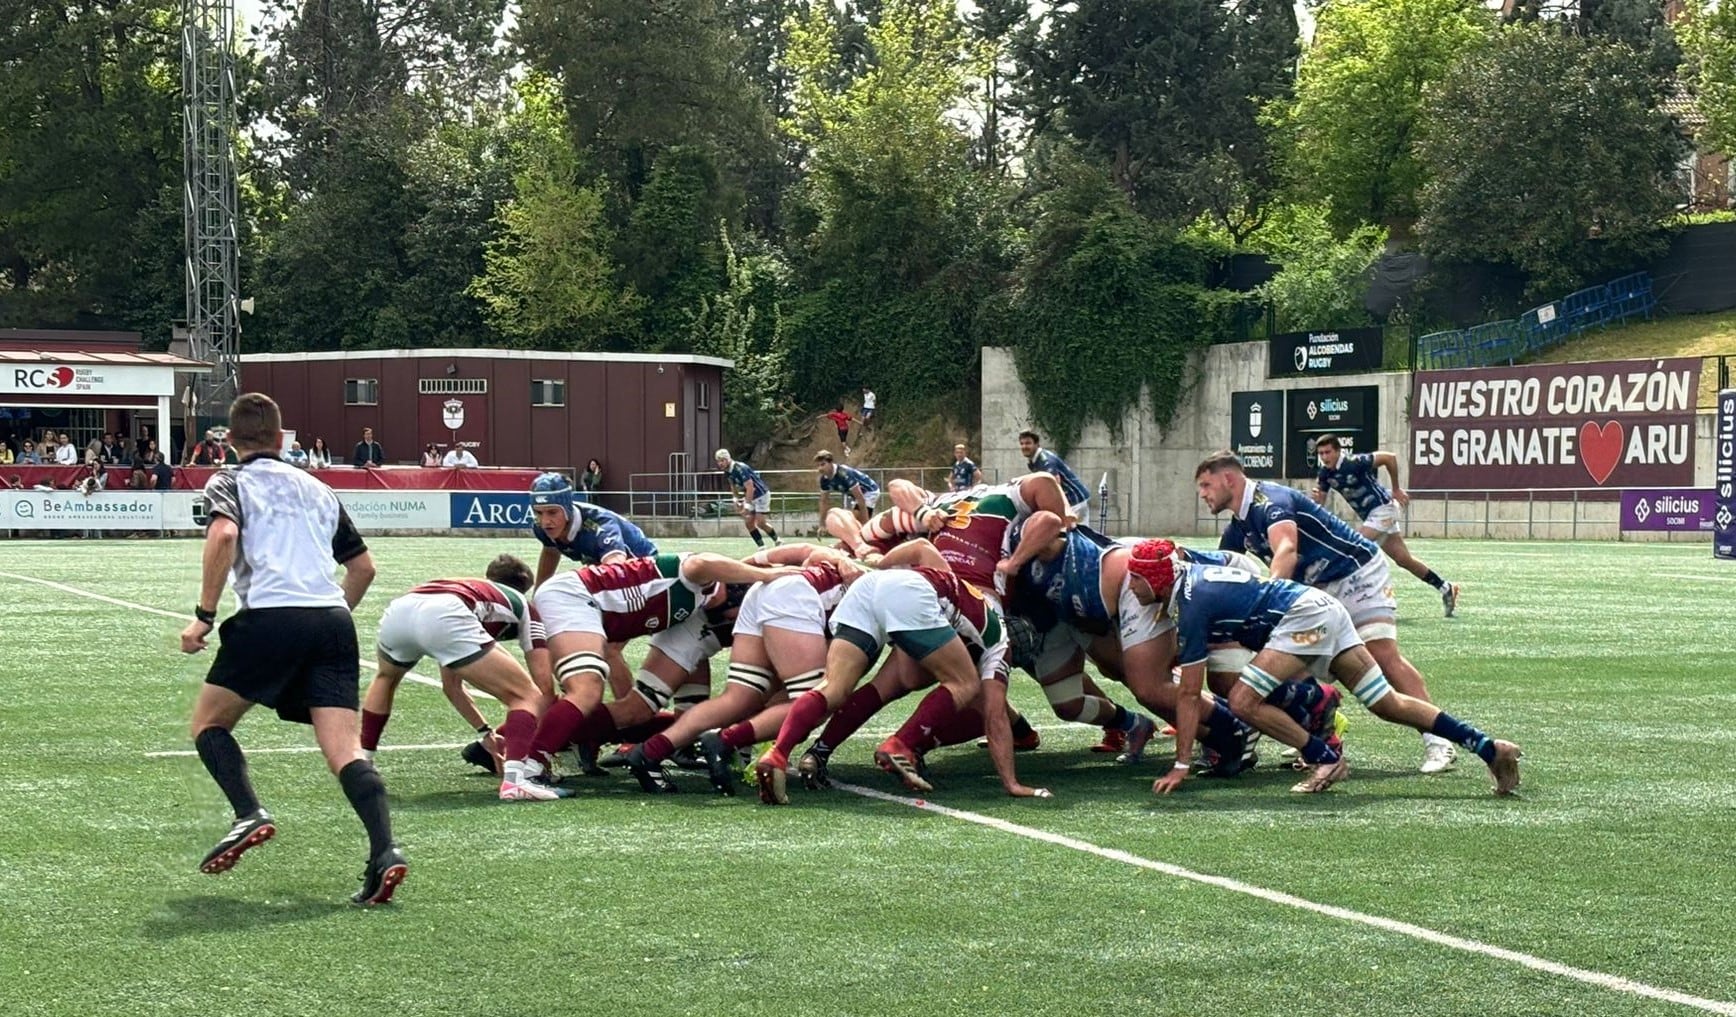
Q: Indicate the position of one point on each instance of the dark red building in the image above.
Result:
(636, 413)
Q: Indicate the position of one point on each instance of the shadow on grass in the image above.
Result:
(207, 913)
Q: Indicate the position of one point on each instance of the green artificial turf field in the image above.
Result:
(1612, 664)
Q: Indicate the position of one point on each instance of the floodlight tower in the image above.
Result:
(208, 198)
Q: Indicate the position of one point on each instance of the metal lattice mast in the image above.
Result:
(209, 123)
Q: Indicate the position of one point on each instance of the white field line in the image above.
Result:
(366, 662)
(1613, 983)
(1700, 578)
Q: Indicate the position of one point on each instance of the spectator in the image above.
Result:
(368, 453)
(66, 454)
(841, 420)
(93, 453)
(319, 457)
(150, 472)
(208, 452)
(230, 457)
(29, 456)
(867, 406)
(5, 454)
(123, 451)
(430, 456)
(460, 458)
(295, 456)
(111, 448)
(592, 479)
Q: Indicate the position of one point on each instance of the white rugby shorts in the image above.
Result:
(1385, 521)
(437, 625)
(566, 606)
(1317, 629)
(789, 603)
(1367, 593)
(761, 504)
(687, 643)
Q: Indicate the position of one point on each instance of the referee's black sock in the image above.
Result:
(367, 794)
(221, 754)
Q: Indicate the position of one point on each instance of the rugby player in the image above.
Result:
(664, 597)
(1357, 478)
(1040, 460)
(1294, 630)
(1300, 540)
(860, 492)
(756, 497)
(458, 622)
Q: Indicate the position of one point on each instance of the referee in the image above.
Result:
(292, 646)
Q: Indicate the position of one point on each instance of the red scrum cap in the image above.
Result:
(1154, 562)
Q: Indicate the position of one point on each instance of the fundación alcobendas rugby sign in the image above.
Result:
(1340, 351)
(1613, 424)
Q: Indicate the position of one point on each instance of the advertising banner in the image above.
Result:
(1672, 510)
(70, 510)
(490, 510)
(1257, 432)
(1613, 424)
(1345, 351)
(1352, 414)
(1724, 476)
(50, 378)
(397, 510)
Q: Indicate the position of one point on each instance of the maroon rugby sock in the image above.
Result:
(645, 729)
(556, 730)
(598, 728)
(932, 714)
(965, 726)
(864, 703)
(373, 726)
(738, 736)
(657, 748)
(805, 715)
(518, 730)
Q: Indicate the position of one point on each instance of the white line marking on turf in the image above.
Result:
(1614, 983)
(296, 749)
(1686, 575)
(413, 676)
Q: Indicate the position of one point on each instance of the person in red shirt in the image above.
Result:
(841, 420)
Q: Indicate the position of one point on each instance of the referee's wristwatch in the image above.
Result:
(208, 617)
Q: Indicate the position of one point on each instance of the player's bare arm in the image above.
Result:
(1284, 540)
(999, 729)
(1187, 719)
(221, 539)
(359, 574)
(1389, 462)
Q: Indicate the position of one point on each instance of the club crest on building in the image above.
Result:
(452, 412)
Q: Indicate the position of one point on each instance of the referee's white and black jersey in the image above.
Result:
(292, 531)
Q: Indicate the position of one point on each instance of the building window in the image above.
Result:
(361, 391)
(548, 392)
(704, 402)
(452, 386)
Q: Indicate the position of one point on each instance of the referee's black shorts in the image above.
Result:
(291, 659)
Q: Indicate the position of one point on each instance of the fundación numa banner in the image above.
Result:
(1612, 424)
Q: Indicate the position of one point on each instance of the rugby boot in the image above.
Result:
(1505, 768)
(896, 758)
(248, 832)
(719, 762)
(650, 775)
(1450, 598)
(1143, 730)
(1114, 740)
(382, 876)
(770, 773)
(1322, 777)
(815, 770)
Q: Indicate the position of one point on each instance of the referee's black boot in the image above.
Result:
(249, 831)
(384, 873)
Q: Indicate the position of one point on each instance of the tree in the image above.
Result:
(548, 280)
(1159, 88)
(1549, 152)
(90, 156)
(669, 252)
(1709, 36)
(744, 323)
(1322, 278)
(1358, 96)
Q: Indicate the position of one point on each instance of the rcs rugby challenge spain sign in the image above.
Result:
(1615, 424)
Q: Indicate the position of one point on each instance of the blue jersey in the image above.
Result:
(1072, 582)
(1327, 549)
(844, 478)
(1357, 478)
(1046, 461)
(596, 532)
(1200, 556)
(963, 474)
(1213, 604)
(739, 473)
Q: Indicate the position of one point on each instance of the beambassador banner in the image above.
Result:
(1612, 424)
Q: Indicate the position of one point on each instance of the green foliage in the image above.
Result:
(1550, 154)
(744, 323)
(548, 280)
(1109, 306)
(1709, 36)
(1358, 97)
(1167, 92)
(666, 253)
(1324, 277)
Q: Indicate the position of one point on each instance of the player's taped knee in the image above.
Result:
(1385, 628)
(1095, 710)
(1065, 690)
(751, 676)
(573, 665)
(654, 690)
(1259, 680)
(1372, 687)
(691, 694)
(806, 681)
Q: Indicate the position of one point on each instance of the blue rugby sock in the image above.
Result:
(1460, 733)
(1316, 752)
(1225, 732)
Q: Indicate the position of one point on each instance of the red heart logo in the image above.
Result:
(1600, 448)
(62, 377)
